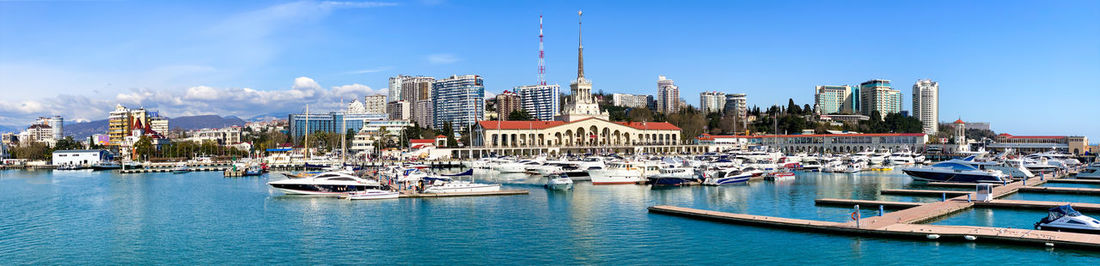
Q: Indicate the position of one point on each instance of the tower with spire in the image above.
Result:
(580, 104)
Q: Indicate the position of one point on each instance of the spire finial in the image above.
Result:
(580, 46)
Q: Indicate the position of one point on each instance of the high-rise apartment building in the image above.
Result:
(507, 102)
(543, 102)
(736, 104)
(417, 91)
(926, 105)
(398, 110)
(712, 101)
(876, 95)
(630, 100)
(394, 89)
(668, 95)
(375, 104)
(56, 126)
(458, 100)
(834, 99)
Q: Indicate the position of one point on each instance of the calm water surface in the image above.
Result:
(202, 218)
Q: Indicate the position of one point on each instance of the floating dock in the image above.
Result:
(1061, 190)
(1075, 181)
(922, 192)
(912, 231)
(1041, 205)
(167, 170)
(905, 223)
(894, 205)
(466, 194)
(952, 184)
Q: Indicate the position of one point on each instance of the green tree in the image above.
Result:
(520, 115)
(640, 115)
(144, 147)
(448, 131)
(68, 143)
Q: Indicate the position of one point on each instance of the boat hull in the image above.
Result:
(615, 177)
(673, 181)
(319, 190)
(935, 176)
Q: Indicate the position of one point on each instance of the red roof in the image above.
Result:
(836, 135)
(519, 124)
(549, 124)
(421, 141)
(649, 125)
(1006, 135)
(712, 137)
(960, 121)
(440, 136)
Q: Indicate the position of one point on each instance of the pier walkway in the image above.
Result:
(905, 223)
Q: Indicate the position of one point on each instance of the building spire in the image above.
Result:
(580, 48)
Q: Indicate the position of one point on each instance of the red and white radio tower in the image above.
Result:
(542, 61)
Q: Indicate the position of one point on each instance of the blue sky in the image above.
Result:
(1028, 67)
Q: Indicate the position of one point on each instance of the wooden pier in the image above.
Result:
(465, 194)
(1075, 181)
(953, 184)
(905, 223)
(911, 231)
(1040, 205)
(168, 170)
(894, 205)
(922, 192)
(1061, 190)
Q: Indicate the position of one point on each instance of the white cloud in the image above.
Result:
(442, 59)
(197, 100)
(305, 83)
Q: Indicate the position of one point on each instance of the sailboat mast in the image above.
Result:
(307, 132)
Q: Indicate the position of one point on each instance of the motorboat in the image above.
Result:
(901, 158)
(443, 185)
(780, 176)
(371, 194)
(812, 166)
(1065, 218)
(674, 177)
(955, 170)
(727, 176)
(855, 167)
(327, 184)
(181, 169)
(621, 173)
(1091, 172)
(559, 182)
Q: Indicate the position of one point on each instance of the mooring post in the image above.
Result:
(1025, 181)
(856, 216)
(881, 210)
(945, 196)
(967, 198)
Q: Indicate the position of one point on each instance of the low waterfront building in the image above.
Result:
(221, 136)
(1076, 145)
(81, 157)
(722, 143)
(840, 143)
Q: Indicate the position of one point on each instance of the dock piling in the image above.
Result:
(857, 216)
(881, 210)
(945, 196)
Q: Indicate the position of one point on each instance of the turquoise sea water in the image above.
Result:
(201, 218)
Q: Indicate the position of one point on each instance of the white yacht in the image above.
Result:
(901, 158)
(439, 185)
(559, 182)
(371, 194)
(1065, 218)
(622, 173)
(1092, 172)
(327, 184)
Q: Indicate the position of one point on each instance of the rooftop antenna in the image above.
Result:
(542, 61)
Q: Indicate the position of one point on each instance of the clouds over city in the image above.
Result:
(197, 100)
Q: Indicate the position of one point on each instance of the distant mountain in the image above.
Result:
(204, 121)
(10, 129)
(268, 117)
(85, 129)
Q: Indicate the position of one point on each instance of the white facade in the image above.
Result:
(712, 101)
(736, 104)
(630, 100)
(81, 157)
(159, 124)
(668, 96)
(356, 107)
(374, 104)
(543, 102)
(926, 105)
